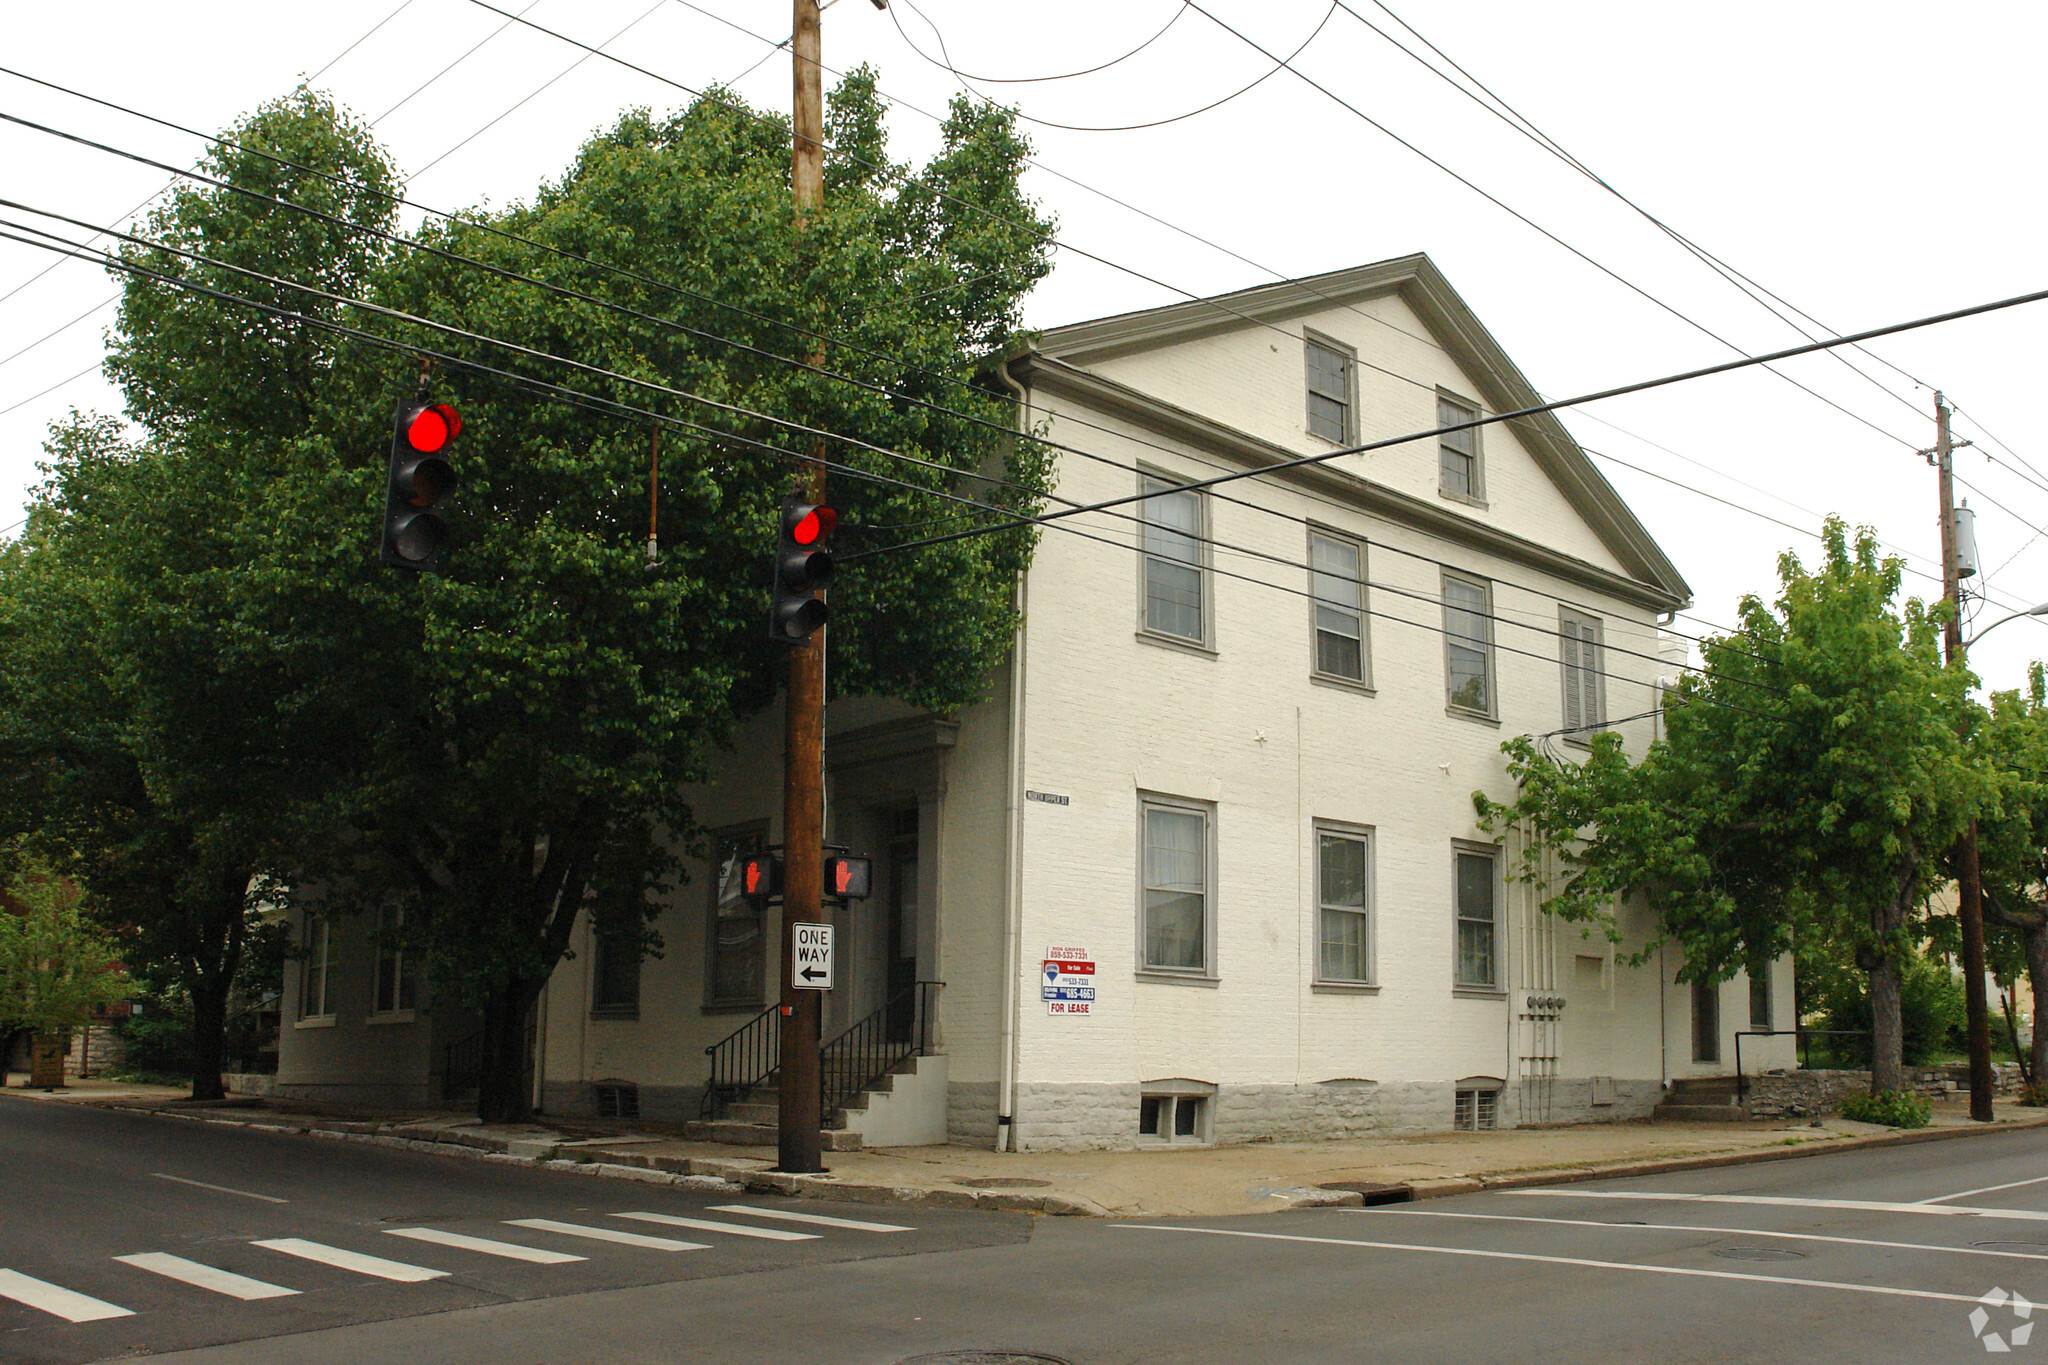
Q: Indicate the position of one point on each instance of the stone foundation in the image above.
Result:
(1105, 1117)
(971, 1113)
(94, 1048)
(658, 1103)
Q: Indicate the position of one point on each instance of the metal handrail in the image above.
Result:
(1801, 1034)
(865, 1053)
(740, 1061)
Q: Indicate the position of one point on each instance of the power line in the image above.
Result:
(1725, 367)
(947, 65)
(52, 389)
(1179, 10)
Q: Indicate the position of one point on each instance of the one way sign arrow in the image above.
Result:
(813, 974)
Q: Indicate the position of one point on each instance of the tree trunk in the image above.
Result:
(46, 1060)
(501, 1091)
(209, 1027)
(1887, 1031)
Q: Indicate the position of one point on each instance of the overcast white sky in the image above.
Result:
(1869, 162)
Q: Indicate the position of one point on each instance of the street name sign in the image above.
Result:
(810, 966)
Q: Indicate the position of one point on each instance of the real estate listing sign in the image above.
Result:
(1068, 981)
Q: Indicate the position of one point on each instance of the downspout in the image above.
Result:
(1013, 833)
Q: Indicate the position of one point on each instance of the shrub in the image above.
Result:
(1893, 1108)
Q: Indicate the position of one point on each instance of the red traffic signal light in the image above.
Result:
(848, 878)
(419, 481)
(803, 568)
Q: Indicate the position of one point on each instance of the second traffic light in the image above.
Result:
(420, 480)
(803, 566)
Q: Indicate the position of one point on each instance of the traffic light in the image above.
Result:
(421, 478)
(848, 879)
(760, 876)
(802, 567)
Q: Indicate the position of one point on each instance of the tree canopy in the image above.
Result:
(1810, 785)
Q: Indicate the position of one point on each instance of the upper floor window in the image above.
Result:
(1344, 894)
(1329, 392)
(1174, 586)
(316, 970)
(1337, 582)
(1579, 652)
(1468, 644)
(1458, 471)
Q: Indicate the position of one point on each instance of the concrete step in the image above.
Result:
(763, 1135)
(752, 1111)
(1699, 1113)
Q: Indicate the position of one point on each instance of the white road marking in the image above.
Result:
(221, 1189)
(1782, 1201)
(817, 1219)
(1786, 1280)
(350, 1260)
(2042, 1255)
(205, 1276)
(707, 1225)
(631, 1239)
(64, 1303)
(511, 1251)
(2009, 1185)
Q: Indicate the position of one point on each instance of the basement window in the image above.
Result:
(617, 1100)
(1478, 1111)
(1175, 1111)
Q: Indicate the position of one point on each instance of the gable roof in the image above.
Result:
(1420, 285)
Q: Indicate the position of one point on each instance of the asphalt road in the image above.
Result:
(1870, 1256)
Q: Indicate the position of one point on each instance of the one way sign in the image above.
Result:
(810, 968)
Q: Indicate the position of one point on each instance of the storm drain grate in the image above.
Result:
(985, 1358)
(1759, 1254)
(1375, 1192)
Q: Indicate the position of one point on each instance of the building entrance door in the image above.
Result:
(900, 951)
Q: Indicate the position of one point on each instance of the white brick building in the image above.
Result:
(1240, 787)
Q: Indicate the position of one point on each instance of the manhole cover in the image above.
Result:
(985, 1358)
(1004, 1182)
(1375, 1192)
(1759, 1254)
(2012, 1246)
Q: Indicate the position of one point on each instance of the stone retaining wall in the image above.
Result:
(1797, 1094)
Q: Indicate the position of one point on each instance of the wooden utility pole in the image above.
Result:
(799, 1142)
(1969, 888)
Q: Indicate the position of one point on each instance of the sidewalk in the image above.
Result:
(1261, 1177)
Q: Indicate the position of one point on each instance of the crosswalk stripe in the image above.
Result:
(204, 1276)
(64, 1303)
(631, 1239)
(509, 1250)
(707, 1225)
(816, 1218)
(350, 1260)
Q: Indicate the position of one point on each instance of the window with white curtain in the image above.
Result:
(1337, 583)
(1176, 896)
(1175, 586)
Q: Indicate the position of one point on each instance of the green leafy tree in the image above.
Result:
(2013, 851)
(56, 965)
(1811, 783)
(504, 746)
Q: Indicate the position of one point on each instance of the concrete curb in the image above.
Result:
(734, 1176)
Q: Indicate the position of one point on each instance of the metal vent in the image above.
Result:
(618, 1100)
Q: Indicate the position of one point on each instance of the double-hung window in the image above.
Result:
(1760, 996)
(1329, 392)
(1579, 651)
(1174, 574)
(1476, 878)
(1344, 894)
(1458, 471)
(397, 982)
(1176, 898)
(1468, 644)
(1337, 583)
(738, 931)
(317, 970)
(615, 972)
